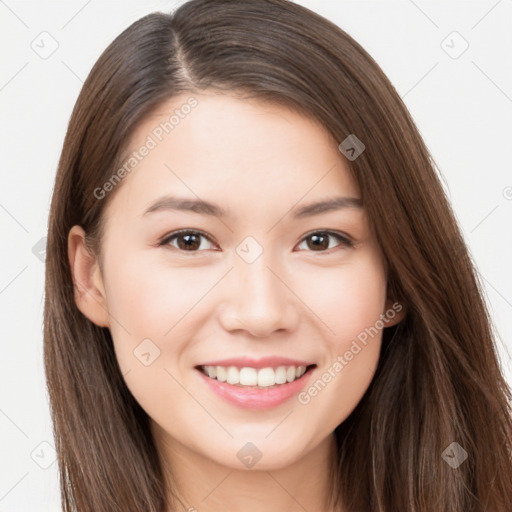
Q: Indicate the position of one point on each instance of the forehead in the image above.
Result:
(245, 151)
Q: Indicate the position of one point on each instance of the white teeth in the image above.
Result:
(221, 373)
(246, 376)
(281, 375)
(266, 377)
(233, 375)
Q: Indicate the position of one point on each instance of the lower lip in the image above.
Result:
(254, 398)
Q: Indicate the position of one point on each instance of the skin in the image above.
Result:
(260, 161)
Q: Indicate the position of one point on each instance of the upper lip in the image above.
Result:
(273, 361)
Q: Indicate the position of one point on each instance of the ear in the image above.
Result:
(89, 295)
(395, 312)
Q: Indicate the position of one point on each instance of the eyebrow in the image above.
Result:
(207, 208)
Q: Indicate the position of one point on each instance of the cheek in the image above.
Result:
(149, 298)
(351, 301)
(346, 299)
(148, 305)
(140, 305)
(360, 302)
(358, 328)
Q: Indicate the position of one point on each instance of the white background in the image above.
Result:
(462, 106)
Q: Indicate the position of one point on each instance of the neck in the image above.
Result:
(200, 484)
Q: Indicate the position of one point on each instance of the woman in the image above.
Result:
(257, 294)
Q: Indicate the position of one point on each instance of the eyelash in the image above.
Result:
(345, 241)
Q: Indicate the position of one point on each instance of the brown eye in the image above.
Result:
(319, 241)
(187, 240)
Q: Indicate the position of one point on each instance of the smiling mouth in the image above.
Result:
(257, 378)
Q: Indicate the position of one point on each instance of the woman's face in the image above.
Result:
(269, 278)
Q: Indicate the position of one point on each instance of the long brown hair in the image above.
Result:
(438, 380)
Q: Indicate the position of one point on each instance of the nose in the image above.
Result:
(258, 300)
